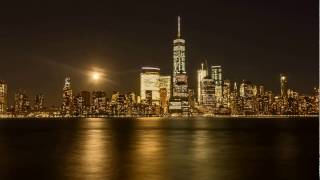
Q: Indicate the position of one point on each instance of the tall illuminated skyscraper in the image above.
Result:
(283, 85)
(216, 73)
(67, 98)
(180, 85)
(226, 93)
(3, 97)
(179, 101)
(149, 84)
(201, 73)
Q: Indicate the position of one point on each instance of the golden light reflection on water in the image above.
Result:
(155, 149)
(93, 152)
(149, 154)
(200, 141)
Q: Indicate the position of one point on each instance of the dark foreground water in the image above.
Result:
(155, 148)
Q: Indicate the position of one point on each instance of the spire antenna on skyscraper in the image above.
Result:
(179, 27)
(207, 67)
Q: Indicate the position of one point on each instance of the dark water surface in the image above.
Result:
(157, 148)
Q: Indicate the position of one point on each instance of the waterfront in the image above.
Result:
(159, 148)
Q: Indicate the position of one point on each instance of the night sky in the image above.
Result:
(41, 43)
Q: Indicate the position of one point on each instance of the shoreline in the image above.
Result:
(175, 116)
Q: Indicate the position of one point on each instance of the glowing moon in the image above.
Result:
(95, 76)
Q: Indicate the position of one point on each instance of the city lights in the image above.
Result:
(168, 95)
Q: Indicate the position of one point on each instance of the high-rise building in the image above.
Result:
(131, 98)
(38, 103)
(179, 64)
(86, 98)
(67, 98)
(247, 96)
(180, 85)
(254, 90)
(114, 97)
(78, 104)
(21, 103)
(235, 103)
(191, 99)
(138, 99)
(164, 100)
(201, 73)
(261, 90)
(3, 97)
(165, 82)
(216, 74)
(207, 91)
(283, 85)
(247, 89)
(179, 100)
(226, 93)
(149, 84)
(99, 101)
(165, 93)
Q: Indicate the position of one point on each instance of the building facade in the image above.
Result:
(283, 86)
(216, 74)
(38, 102)
(165, 82)
(3, 97)
(179, 100)
(67, 98)
(150, 85)
(21, 103)
(99, 101)
(201, 73)
(207, 92)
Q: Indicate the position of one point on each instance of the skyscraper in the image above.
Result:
(179, 101)
(216, 74)
(21, 103)
(226, 93)
(99, 101)
(201, 73)
(38, 103)
(261, 90)
(207, 91)
(131, 98)
(149, 84)
(3, 97)
(86, 98)
(180, 85)
(67, 98)
(78, 104)
(165, 82)
(247, 96)
(164, 100)
(283, 85)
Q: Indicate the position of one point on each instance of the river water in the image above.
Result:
(159, 148)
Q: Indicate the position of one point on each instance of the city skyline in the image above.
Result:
(165, 95)
(159, 89)
(204, 40)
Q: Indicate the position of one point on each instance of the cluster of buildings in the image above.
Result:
(217, 95)
(162, 95)
(97, 103)
(22, 105)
